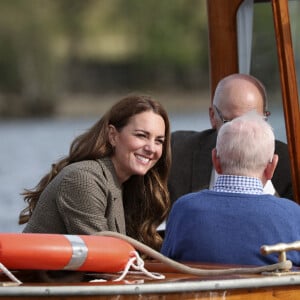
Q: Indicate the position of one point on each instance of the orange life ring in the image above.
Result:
(35, 251)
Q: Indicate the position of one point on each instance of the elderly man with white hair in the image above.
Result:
(230, 223)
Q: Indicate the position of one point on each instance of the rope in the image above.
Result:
(9, 274)
(137, 263)
(286, 265)
(140, 266)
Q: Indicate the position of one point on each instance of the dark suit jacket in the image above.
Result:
(192, 164)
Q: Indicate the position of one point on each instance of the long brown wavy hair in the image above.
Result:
(146, 198)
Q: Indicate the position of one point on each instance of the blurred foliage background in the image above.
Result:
(53, 51)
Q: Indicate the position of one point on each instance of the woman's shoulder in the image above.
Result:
(88, 168)
(86, 165)
(100, 169)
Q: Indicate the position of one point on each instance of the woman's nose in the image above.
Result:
(149, 146)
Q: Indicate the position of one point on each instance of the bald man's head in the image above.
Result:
(236, 95)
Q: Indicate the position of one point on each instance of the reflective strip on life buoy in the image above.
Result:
(38, 251)
(79, 252)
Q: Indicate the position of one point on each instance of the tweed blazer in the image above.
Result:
(192, 164)
(85, 197)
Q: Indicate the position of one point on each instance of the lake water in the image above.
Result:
(28, 147)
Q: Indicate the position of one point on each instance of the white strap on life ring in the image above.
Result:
(79, 252)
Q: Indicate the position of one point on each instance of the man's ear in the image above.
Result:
(212, 117)
(112, 134)
(216, 161)
(271, 166)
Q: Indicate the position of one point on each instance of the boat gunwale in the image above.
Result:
(173, 286)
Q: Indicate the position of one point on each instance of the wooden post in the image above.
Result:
(223, 49)
(289, 88)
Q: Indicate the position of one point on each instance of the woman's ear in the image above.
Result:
(112, 131)
(216, 161)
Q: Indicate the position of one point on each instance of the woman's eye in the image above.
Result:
(160, 142)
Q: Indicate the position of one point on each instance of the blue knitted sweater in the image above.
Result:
(222, 227)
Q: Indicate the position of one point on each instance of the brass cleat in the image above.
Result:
(281, 249)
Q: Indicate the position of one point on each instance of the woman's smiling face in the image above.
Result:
(138, 145)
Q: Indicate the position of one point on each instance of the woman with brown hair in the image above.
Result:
(114, 178)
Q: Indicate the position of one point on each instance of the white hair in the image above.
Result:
(245, 145)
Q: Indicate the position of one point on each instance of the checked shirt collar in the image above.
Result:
(238, 184)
